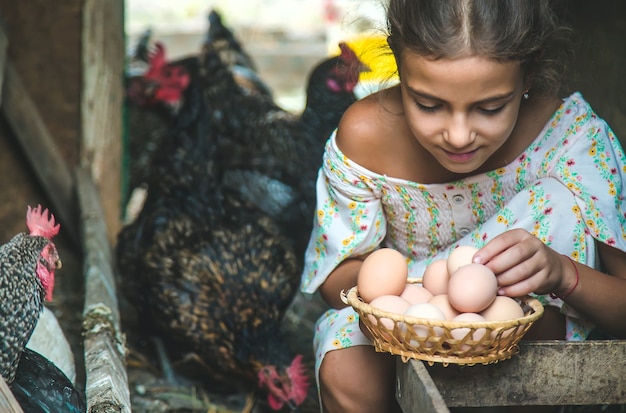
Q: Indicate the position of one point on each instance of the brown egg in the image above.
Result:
(383, 272)
(472, 288)
(503, 308)
(390, 303)
(436, 276)
(415, 293)
(460, 333)
(461, 255)
(442, 302)
(428, 311)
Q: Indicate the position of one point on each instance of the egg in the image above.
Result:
(383, 272)
(461, 332)
(415, 293)
(472, 288)
(503, 308)
(428, 311)
(436, 276)
(461, 255)
(443, 303)
(390, 303)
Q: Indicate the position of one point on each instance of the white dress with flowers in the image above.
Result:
(568, 188)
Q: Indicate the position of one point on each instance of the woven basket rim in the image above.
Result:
(352, 298)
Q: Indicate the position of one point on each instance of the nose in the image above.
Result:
(459, 134)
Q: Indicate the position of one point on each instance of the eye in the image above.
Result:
(428, 109)
(493, 111)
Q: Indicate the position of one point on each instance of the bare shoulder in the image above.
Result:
(364, 131)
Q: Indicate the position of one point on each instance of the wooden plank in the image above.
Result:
(543, 373)
(416, 391)
(102, 97)
(8, 404)
(39, 147)
(106, 384)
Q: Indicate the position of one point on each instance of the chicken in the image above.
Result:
(153, 95)
(27, 270)
(209, 273)
(27, 265)
(232, 53)
(48, 339)
(41, 387)
(374, 51)
(272, 155)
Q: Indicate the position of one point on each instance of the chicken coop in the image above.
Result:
(63, 145)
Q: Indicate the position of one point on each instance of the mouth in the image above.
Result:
(461, 156)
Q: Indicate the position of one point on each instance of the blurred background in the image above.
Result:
(285, 37)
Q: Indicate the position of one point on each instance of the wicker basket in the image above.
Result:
(434, 342)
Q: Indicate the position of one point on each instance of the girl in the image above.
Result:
(475, 146)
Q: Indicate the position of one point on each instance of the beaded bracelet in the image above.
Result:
(562, 297)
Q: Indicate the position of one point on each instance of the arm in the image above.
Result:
(342, 278)
(524, 264)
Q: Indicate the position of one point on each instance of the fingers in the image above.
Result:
(521, 262)
(501, 243)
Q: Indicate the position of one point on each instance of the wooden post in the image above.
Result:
(8, 404)
(3, 57)
(106, 385)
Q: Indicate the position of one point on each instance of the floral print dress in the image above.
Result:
(567, 188)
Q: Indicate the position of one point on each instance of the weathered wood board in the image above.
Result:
(543, 373)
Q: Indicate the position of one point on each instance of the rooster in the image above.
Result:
(27, 267)
(153, 95)
(208, 272)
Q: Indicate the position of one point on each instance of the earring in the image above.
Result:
(525, 96)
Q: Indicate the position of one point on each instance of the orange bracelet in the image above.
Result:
(562, 297)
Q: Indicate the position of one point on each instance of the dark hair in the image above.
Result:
(527, 31)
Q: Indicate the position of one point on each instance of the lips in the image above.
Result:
(461, 157)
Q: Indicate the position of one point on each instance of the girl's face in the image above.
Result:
(463, 110)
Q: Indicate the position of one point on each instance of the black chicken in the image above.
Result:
(154, 90)
(41, 387)
(270, 155)
(209, 273)
(232, 53)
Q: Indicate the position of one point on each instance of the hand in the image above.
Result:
(523, 264)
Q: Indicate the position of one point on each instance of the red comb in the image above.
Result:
(346, 51)
(300, 383)
(41, 222)
(157, 60)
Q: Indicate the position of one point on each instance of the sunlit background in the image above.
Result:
(285, 37)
